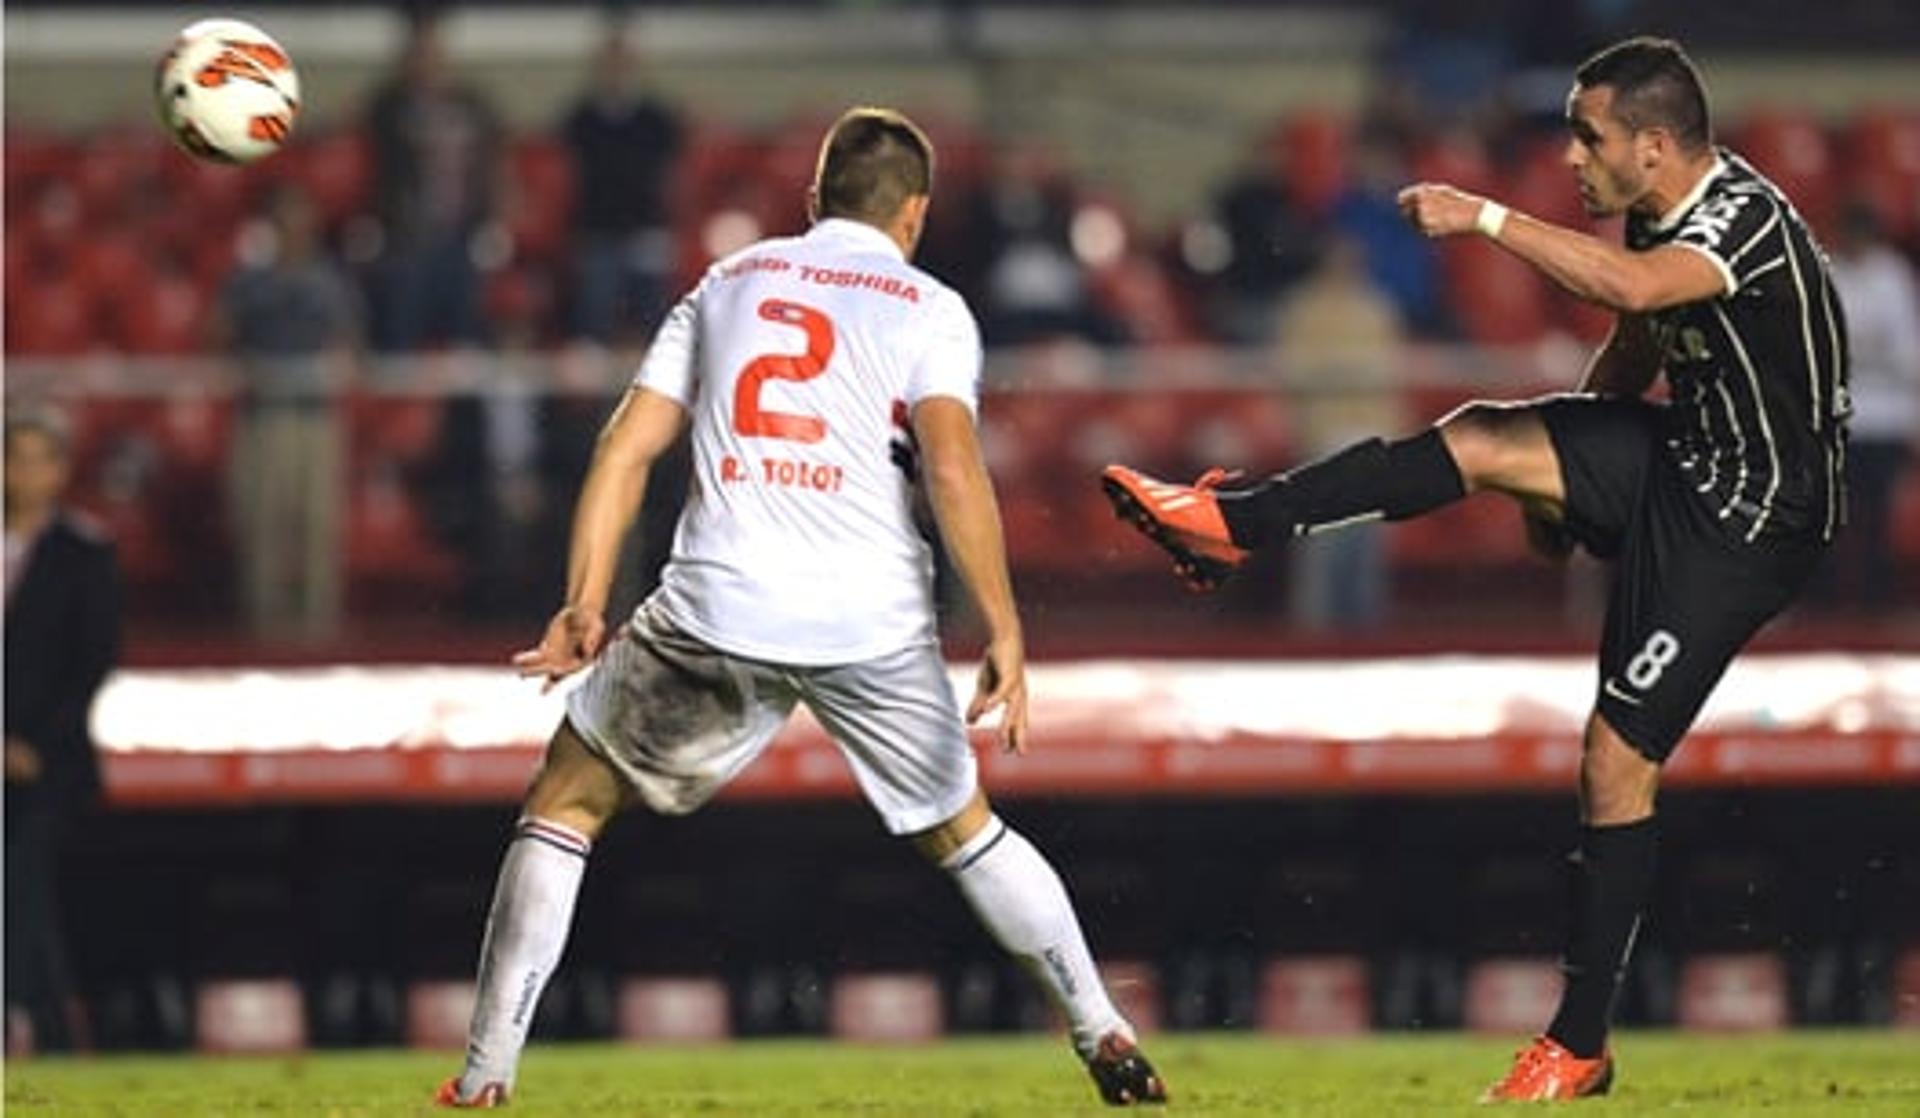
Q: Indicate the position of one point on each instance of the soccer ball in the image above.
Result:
(227, 92)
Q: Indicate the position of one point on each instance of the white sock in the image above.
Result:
(526, 932)
(1023, 903)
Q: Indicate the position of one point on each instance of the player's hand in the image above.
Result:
(1003, 682)
(1439, 210)
(23, 761)
(571, 642)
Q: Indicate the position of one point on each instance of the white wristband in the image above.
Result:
(1491, 219)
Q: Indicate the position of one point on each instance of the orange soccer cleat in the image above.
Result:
(489, 1097)
(1545, 1071)
(1185, 520)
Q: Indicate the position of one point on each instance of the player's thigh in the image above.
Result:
(1606, 451)
(1686, 597)
(1504, 447)
(575, 786)
(898, 722)
(674, 718)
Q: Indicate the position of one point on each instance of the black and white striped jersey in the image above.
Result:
(1758, 374)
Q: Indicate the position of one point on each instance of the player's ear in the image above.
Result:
(813, 204)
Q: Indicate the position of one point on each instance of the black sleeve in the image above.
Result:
(1741, 232)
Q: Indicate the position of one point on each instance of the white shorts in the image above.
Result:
(678, 719)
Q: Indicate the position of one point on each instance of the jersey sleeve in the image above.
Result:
(949, 365)
(669, 365)
(1739, 233)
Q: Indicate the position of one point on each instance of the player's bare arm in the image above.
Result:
(641, 429)
(1608, 274)
(961, 494)
(1626, 363)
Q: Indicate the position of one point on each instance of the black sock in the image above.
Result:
(1367, 481)
(1612, 879)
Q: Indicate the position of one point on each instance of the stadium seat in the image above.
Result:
(438, 1014)
(336, 170)
(1510, 995)
(541, 204)
(1459, 158)
(169, 319)
(886, 1008)
(1733, 993)
(1498, 299)
(1790, 147)
(116, 169)
(256, 1016)
(1540, 183)
(51, 317)
(681, 1010)
(1316, 996)
(113, 267)
(1136, 292)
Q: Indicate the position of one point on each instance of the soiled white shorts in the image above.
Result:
(678, 719)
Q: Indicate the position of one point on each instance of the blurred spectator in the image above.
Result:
(1273, 247)
(1878, 298)
(1035, 288)
(291, 321)
(624, 145)
(438, 172)
(1339, 345)
(483, 486)
(62, 637)
(1400, 260)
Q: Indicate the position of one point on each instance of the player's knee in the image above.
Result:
(574, 787)
(1481, 438)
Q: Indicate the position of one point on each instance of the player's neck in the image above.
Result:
(1673, 189)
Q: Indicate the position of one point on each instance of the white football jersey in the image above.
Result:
(799, 360)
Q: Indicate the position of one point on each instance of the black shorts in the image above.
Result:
(1686, 591)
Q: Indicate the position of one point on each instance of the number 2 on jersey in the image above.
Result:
(748, 417)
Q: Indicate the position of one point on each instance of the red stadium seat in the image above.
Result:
(1135, 290)
(1883, 149)
(1791, 148)
(1497, 298)
(389, 548)
(169, 318)
(115, 170)
(1459, 158)
(1542, 184)
(113, 266)
(542, 202)
(52, 316)
(336, 170)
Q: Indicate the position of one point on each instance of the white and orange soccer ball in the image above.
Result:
(227, 92)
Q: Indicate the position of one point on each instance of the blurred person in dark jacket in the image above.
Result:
(624, 145)
(62, 636)
(439, 172)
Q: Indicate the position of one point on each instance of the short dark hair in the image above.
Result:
(1654, 84)
(43, 421)
(871, 162)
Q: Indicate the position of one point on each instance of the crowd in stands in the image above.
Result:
(424, 227)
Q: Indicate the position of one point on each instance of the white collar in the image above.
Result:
(851, 230)
(1672, 217)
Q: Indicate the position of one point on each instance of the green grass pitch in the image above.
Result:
(1800, 1073)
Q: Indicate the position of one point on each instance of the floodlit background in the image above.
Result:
(1307, 804)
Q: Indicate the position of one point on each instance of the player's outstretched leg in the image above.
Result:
(531, 915)
(1023, 903)
(1210, 528)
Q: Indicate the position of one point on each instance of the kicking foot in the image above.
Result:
(1185, 520)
